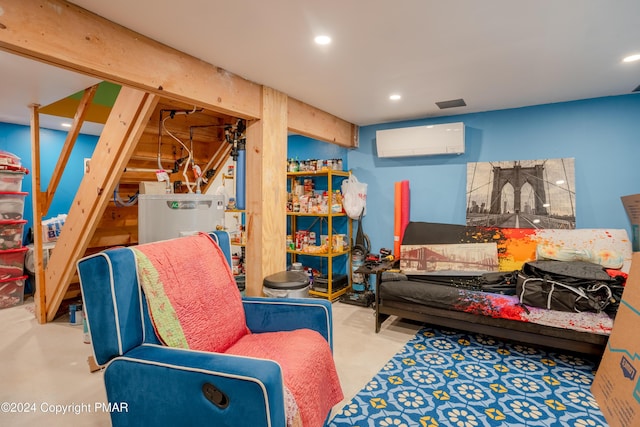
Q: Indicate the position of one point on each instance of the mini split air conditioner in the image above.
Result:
(421, 140)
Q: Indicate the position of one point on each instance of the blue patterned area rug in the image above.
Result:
(446, 378)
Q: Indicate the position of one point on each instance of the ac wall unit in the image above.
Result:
(421, 140)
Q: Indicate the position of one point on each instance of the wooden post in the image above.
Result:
(38, 204)
(266, 191)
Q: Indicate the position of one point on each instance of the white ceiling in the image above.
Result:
(24, 82)
(495, 54)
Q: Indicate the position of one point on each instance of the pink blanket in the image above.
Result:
(193, 299)
(315, 386)
(194, 303)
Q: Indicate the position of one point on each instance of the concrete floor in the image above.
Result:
(43, 368)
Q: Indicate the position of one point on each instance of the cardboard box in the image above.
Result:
(616, 387)
(632, 206)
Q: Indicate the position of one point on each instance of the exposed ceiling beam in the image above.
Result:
(65, 35)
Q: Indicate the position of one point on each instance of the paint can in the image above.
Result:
(75, 314)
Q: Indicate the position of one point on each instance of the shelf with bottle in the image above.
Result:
(331, 273)
(334, 214)
(231, 206)
(231, 200)
(328, 172)
(235, 225)
(314, 165)
(319, 232)
(319, 254)
(304, 198)
(314, 239)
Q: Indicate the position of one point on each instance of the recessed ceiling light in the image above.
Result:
(322, 40)
(395, 97)
(631, 58)
(65, 125)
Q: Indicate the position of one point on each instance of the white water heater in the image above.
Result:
(167, 216)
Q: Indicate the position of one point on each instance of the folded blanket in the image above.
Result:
(307, 365)
(193, 299)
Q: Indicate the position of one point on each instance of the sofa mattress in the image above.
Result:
(492, 305)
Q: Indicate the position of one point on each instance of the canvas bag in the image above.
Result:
(354, 197)
(573, 286)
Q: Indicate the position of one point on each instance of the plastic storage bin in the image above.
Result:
(12, 291)
(12, 262)
(286, 284)
(11, 181)
(9, 160)
(11, 234)
(12, 204)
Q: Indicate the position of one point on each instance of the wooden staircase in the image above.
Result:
(126, 153)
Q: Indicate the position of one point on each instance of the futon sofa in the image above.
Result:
(491, 312)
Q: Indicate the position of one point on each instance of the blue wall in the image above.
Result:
(16, 139)
(603, 135)
(303, 148)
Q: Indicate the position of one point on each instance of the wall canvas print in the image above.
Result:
(522, 194)
(423, 259)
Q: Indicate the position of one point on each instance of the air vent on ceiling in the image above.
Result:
(451, 104)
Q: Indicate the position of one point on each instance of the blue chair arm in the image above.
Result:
(286, 314)
(153, 385)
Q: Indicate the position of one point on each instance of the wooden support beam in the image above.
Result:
(63, 34)
(308, 121)
(92, 45)
(38, 204)
(69, 142)
(127, 121)
(266, 191)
